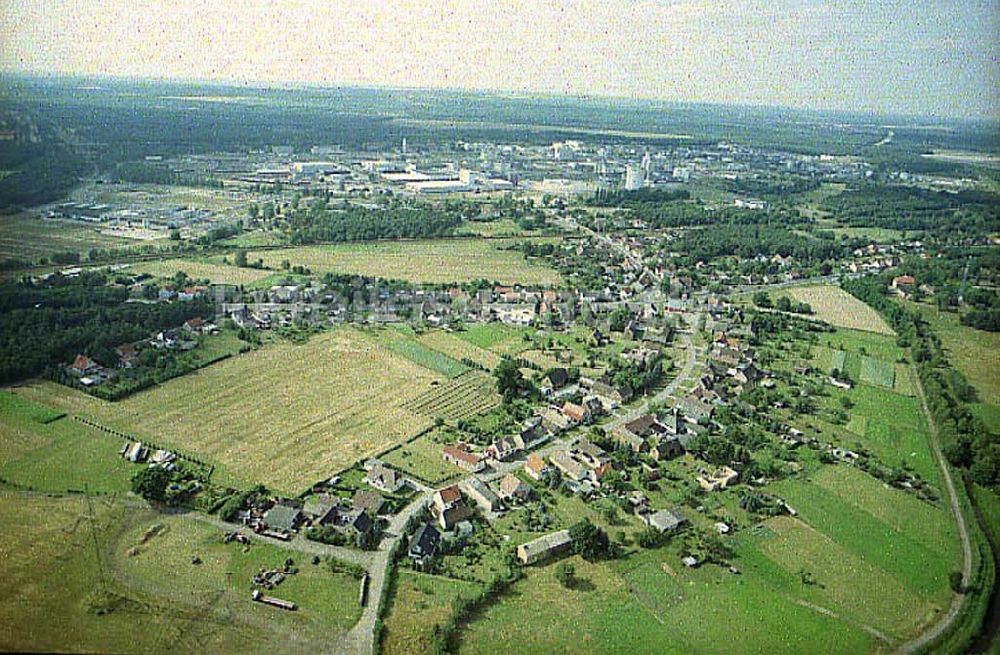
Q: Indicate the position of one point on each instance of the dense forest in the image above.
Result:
(46, 324)
(910, 208)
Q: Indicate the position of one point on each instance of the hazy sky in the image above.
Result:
(930, 57)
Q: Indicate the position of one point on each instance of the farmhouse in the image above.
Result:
(550, 545)
(535, 467)
(460, 455)
(282, 518)
(382, 477)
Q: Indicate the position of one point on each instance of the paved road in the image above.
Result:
(360, 640)
(958, 600)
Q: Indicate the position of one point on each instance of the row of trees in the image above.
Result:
(966, 440)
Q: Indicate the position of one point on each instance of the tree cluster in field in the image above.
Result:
(750, 241)
(318, 224)
(783, 303)
(47, 324)
(966, 440)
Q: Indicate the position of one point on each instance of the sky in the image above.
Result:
(935, 58)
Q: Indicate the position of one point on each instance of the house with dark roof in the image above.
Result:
(321, 509)
(424, 546)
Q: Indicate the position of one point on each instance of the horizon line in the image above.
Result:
(263, 84)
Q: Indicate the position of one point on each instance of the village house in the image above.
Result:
(194, 325)
(449, 518)
(569, 467)
(134, 452)
(553, 420)
(127, 355)
(576, 413)
(589, 453)
(459, 455)
(535, 467)
(545, 547)
(514, 488)
(556, 378)
(382, 477)
(477, 490)
(664, 520)
(667, 447)
(447, 497)
(505, 448)
(424, 546)
(321, 509)
(368, 501)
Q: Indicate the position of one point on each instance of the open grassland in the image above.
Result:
(492, 336)
(850, 585)
(976, 353)
(28, 237)
(892, 427)
(55, 599)
(638, 611)
(504, 227)
(876, 372)
(437, 261)
(422, 458)
(458, 348)
(463, 397)
(45, 453)
(199, 270)
(286, 415)
(837, 307)
(427, 357)
(919, 567)
(420, 603)
(161, 565)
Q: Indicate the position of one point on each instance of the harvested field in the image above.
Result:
(286, 415)
(26, 237)
(218, 273)
(436, 261)
(837, 307)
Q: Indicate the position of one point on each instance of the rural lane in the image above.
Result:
(958, 600)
